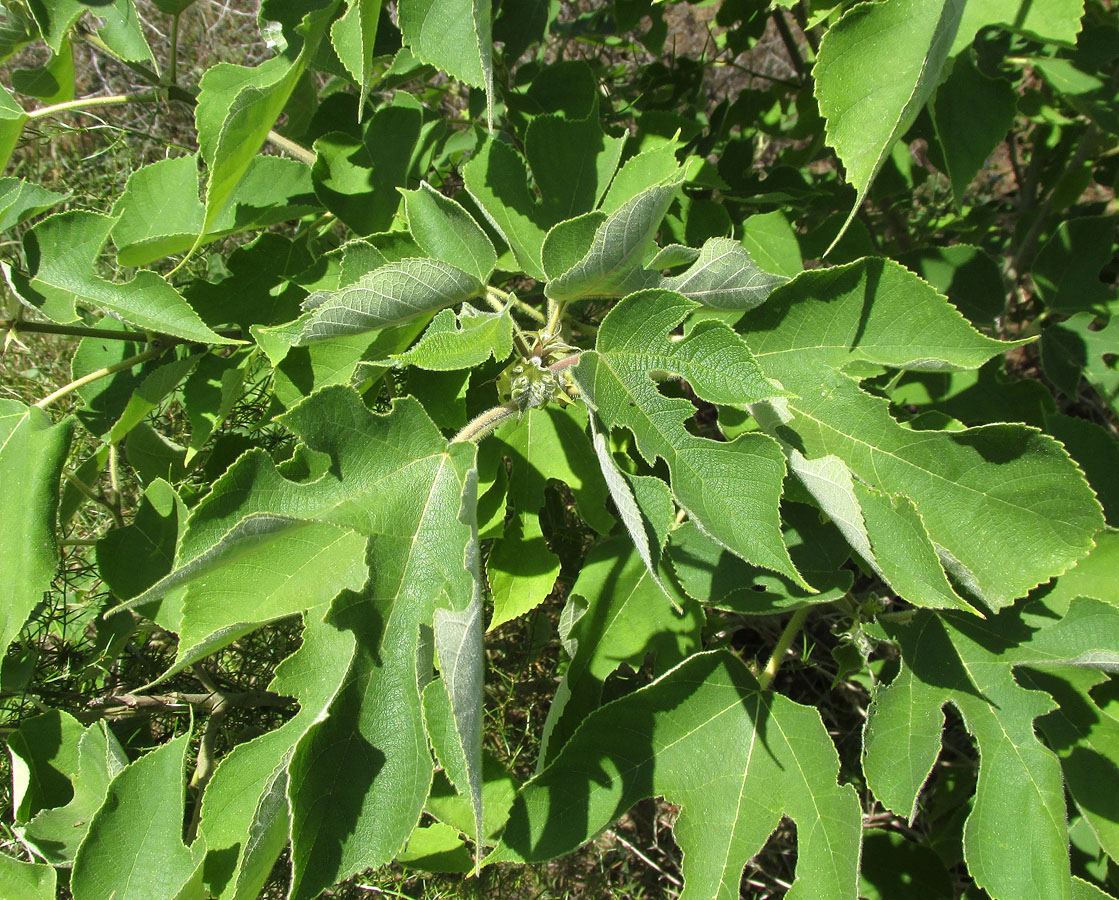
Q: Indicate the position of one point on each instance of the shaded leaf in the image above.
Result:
(758, 756)
(32, 451)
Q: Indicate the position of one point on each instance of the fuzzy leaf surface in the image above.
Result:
(386, 296)
(731, 490)
(736, 760)
(1004, 506)
(461, 341)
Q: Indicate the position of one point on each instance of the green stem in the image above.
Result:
(528, 309)
(173, 63)
(484, 424)
(784, 642)
(74, 331)
(555, 315)
(91, 102)
(150, 353)
(90, 494)
(289, 146)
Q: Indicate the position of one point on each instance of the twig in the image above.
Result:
(74, 330)
(632, 849)
(289, 146)
(789, 41)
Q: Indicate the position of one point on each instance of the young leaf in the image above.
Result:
(32, 451)
(455, 36)
(734, 758)
(1015, 487)
(62, 252)
(1016, 838)
(731, 490)
(572, 162)
(618, 247)
(724, 277)
(386, 296)
(1082, 347)
(445, 231)
(134, 849)
(460, 342)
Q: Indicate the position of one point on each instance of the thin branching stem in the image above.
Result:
(92, 102)
(289, 146)
(104, 372)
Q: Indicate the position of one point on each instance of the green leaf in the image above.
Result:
(435, 848)
(354, 36)
(772, 243)
(151, 392)
(1067, 268)
(716, 577)
(461, 341)
(160, 213)
(639, 173)
(360, 778)
(616, 616)
(32, 450)
(876, 69)
(12, 120)
(209, 395)
(21, 880)
(1081, 347)
(731, 490)
(387, 296)
(1094, 576)
(966, 275)
(356, 178)
(20, 200)
(134, 848)
(445, 231)
(56, 833)
(521, 569)
(497, 178)
(1008, 483)
(572, 163)
(1086, 740)
(133, 558)
(236, 802)
(972, 114)
(62, 252)
(455, 36)
(724, 277)
(1016, 839)
(123, 33)
(52, 82)
(265, 568)
(758, 756)
(618, 247)
(44, 758)
(55, 18)
(238, 105)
